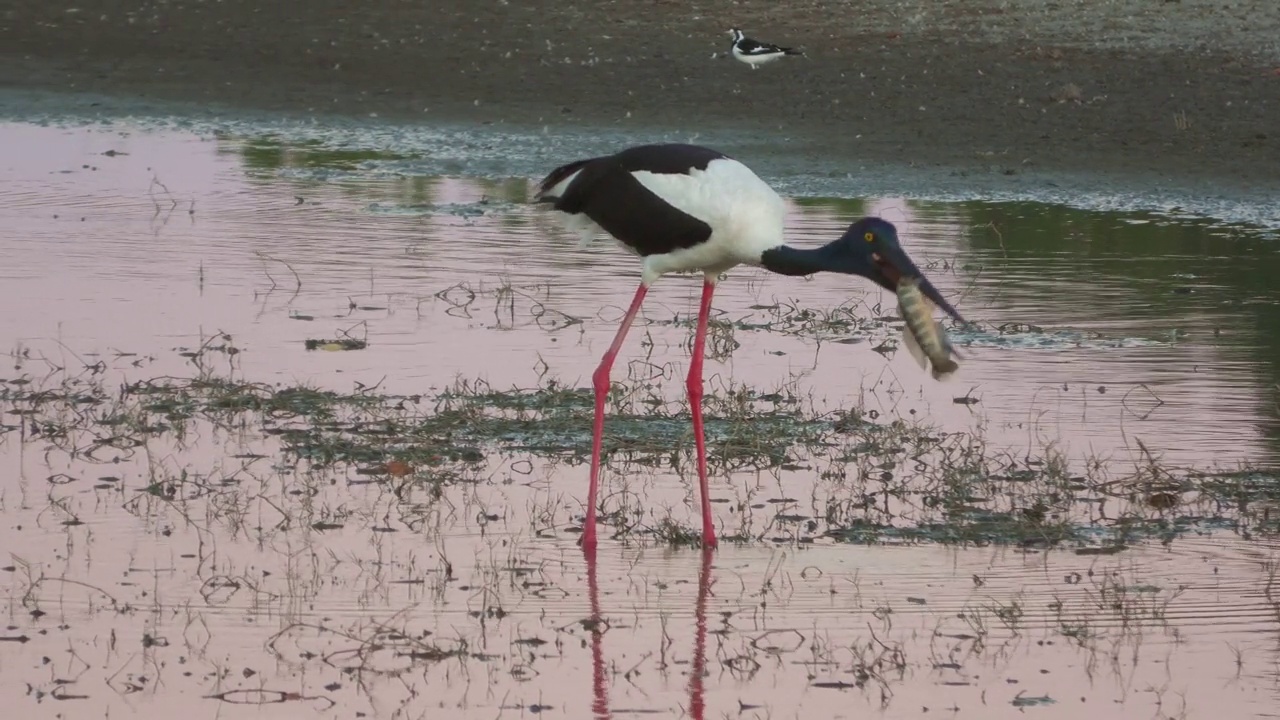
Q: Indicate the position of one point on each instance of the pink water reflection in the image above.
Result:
(121, 267)
(124, 268)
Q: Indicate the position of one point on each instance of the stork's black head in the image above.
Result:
(870, 248)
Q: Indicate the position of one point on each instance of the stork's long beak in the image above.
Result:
(892, 264)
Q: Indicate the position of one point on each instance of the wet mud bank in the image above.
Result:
(511, 150)
(985, 97)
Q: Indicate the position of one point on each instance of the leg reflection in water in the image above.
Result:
(699, 669)
(597, 626)
(599, 688)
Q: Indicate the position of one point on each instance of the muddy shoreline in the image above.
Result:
(1165, 97)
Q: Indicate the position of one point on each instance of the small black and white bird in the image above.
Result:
(687, 208)
(754, 52)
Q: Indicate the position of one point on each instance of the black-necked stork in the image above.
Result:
(756, 53)
(688, 208)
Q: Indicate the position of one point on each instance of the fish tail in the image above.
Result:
(945, 369)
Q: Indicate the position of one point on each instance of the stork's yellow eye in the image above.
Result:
(869, 237)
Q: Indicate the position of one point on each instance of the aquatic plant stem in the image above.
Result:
(600, 381)
(695, 409)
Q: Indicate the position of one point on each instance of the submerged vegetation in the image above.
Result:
(274, 481)
(873, 479)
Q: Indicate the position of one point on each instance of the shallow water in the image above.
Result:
(126, 250)
(178, 235)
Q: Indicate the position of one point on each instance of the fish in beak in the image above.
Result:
(873, 245)
(892, 267)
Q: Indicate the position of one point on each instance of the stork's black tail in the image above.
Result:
(555, 177)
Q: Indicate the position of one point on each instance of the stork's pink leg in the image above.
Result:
(600, 380)
(695, 409)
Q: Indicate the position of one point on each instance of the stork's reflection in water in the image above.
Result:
(598, 627)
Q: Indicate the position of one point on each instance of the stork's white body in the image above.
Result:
(746, 217)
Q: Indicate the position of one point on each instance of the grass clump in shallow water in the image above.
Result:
(868, 479)
(744, 428)
(336, 345)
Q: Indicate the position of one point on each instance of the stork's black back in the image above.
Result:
(607, 191)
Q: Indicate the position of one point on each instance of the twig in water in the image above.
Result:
(297, 287)
(999, 238)
(1124, 401)
(151, 193)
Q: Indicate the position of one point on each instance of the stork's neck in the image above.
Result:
(787, 260)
